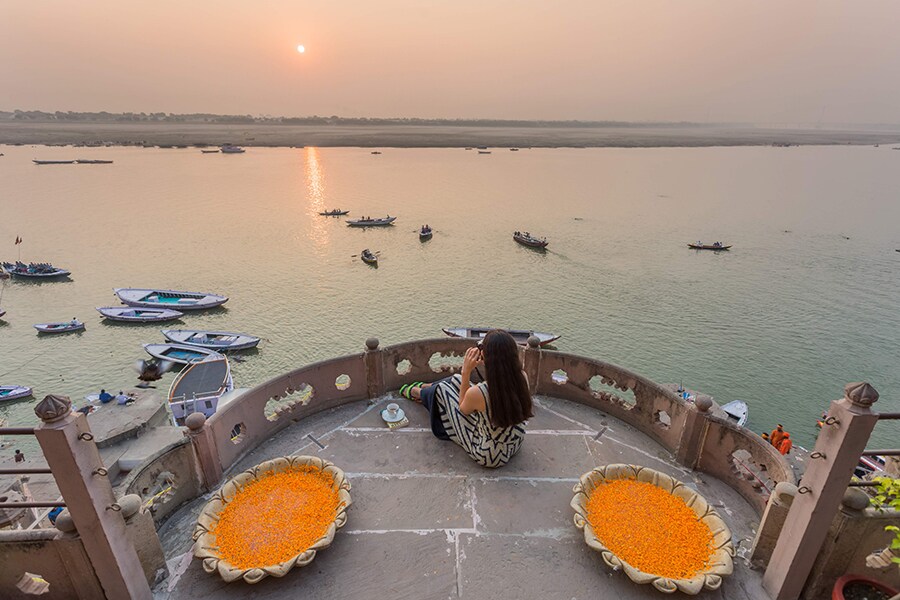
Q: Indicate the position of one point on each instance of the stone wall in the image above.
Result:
(166, 480)
(58, 558)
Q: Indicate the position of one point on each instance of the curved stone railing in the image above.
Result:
(696, 438)
(166, 480)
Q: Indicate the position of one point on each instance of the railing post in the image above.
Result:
(532, 362)
(67, 444)
(690, 446)
(772, 523)
(205, 450)
(841, 441)
(374, 360)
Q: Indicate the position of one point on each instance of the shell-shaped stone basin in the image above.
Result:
(721, 562)
(204, 542)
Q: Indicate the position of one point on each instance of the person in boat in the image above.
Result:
(486, 420)
(105, 397)
(786, 444)
(777, 435)
(73, 322)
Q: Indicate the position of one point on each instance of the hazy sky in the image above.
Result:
(704, 60)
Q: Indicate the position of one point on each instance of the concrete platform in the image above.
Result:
(427, 522)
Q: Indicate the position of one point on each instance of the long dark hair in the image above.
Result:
(509, 395)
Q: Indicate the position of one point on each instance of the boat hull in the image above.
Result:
(14, 392)
(199, 387)
(334, 214)
(737, 412)
(520, 335)
(171, 299)
(372, 222)
(125, 314)
(11, 270)
(705, 247)
(531, 242)
(181, 354)
(66, 327)
(424, 237)
(220, 341)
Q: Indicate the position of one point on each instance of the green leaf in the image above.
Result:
(891, 528)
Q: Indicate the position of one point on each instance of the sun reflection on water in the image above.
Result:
(315, 192)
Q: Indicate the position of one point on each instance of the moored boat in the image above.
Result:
(484, 152)
(52, 162)
(199, 387)
(526, 239)
(60, 327)
(216, 151)
(425, 233)
(173, 299)
(231, 149)
(375, 152)
(368, 257)
(129, 314)
(34, 270)
(221, 341)
(83, 161)
(715, 246)
(737, 412)
(181, 354)
(14, 392)
(2, 312)
(520, 335)
(334, 213)
(370, 222)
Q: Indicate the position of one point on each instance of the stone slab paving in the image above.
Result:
(427, 522)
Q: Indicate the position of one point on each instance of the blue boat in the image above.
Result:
(179, 353)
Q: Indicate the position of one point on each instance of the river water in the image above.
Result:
(786, 318)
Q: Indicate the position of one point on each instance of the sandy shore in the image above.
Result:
(414, 136)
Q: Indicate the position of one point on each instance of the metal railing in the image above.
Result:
(26, 471)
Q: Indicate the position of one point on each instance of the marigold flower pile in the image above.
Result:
(276, 517)
(649, 528)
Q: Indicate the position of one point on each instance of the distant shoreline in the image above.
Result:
(421, 136)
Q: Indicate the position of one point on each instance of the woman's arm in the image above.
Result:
(470, 399)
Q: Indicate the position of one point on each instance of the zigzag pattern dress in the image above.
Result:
(487, 445)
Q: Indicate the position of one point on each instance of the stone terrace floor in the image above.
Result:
(427, 522)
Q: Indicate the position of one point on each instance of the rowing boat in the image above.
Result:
(520, 335)
(219, 341)
(173, 299)
(128, 314)
(62, 327)
(526, 239)
(737, 412)
(14, 392)
(93, 162)
(199, 387)
(380, 222)
(52, 162)
(179, 353)
(425, 233)
(334, 213)
(708, 247)
(369, 258)
(34, 270)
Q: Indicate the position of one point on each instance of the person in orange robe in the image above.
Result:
(777, 435)
(786, 444)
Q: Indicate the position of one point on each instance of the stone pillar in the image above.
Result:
(532, 362)
(205, 450)
(142, 533)
(374, 369)
(841, 441)
(67, 444)
(772, 523)
(690, 446)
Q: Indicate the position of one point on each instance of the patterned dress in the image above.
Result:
(487, 445)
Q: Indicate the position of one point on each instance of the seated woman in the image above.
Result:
(486, 420)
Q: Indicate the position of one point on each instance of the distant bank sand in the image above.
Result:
(414, 136)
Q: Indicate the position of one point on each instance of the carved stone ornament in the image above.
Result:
(861, 394)
(53, 408)
(720, 564)
(205, 542)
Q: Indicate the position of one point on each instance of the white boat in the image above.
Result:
(138, 315)
(199, 387)
(14, 392)
(380, 222)
(213, 340)
(52, 162)
(2, 312)
(179, 353)
(737, 412)
(230, 149)
(172, 299)
(520, 335)
(34, 270)
(62, 327)
(83, 161)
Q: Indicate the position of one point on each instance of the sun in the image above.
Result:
(301, 48)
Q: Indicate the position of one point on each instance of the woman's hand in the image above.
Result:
(470, 361)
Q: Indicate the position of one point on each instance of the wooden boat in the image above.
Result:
(708, 247)
(34, 270)
(52, 162)
(230, 149)
(62, 327)
(220, 341)
(128, 314)
(2, 312)
(484, 152)
(520, 335)
(334, 213)
(425, 233)
(216, 151)
(526, 239)
(375, 152)
(14, 392)
(199, 387)
(172, 299)
(737, 412)
(181, 354)
(379, 222)
(93, 162)
(368, 258)
(513, 149)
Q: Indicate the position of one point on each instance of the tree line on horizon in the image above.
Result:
(162, 117)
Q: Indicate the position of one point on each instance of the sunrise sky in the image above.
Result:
(806, 61)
